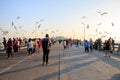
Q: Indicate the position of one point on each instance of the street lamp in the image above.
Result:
(36, 29)
(84, 17)
(84, 29)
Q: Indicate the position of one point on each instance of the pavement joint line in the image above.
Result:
(8, 68)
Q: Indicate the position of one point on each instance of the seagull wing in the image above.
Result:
(104, 13)
(100, 13)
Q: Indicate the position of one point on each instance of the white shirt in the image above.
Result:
(30, 44)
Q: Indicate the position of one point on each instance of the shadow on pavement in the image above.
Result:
(115, 77)
(69, 68)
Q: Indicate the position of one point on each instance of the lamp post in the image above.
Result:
(84, 17)
(84, 29)
(36, 29)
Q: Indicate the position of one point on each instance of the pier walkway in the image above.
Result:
(68, 64)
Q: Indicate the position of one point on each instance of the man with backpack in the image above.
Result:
(46, 49)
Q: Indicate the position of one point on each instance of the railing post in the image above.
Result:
(118, 47)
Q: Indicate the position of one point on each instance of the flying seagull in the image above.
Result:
(18, 17)
(96, 30)
(53, 32)
(99, 24)
(5, 32)
(107, 33)
(20, 27)
(83, 17)
(112, 24)
(0, 28)
(87, 26)
(15, 27)
(42, 33)
(36, 22)
(39, 26)
(12, 23)
(102, 13)
(41, 19)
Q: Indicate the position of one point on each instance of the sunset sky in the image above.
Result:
(60, 17)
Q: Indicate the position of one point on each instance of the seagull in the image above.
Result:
(104, 35)
(18, 17)
(42, 20)
(5, 32)
(83, 17)
(42, 33)
(12, 23)
(114, 37)
(99, 24)
(53, 32)
(36, 22)
(87, 26)
(96, 30)
(39, 26)
(0, 28)
(102, 13)
(112, 24)
(107, 33)
(20, 27)
(15, 27)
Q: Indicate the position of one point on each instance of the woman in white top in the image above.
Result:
(30, 46)
(64, 44)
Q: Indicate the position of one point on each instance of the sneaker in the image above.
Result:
(47, 63)
(43, 63)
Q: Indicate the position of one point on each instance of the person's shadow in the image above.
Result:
(116, 77)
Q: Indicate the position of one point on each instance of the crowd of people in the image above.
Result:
(13, 45)
(36, 45)
(107, 46)
(69, 42)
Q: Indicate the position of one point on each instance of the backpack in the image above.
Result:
(45, 43)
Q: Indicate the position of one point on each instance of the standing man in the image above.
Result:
(91, 45)
(4, 43)
(86, 46)
(9, 47)
(46, 49)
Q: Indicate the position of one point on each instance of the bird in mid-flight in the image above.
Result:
(102, 13)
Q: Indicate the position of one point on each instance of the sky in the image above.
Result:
(69, 18)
